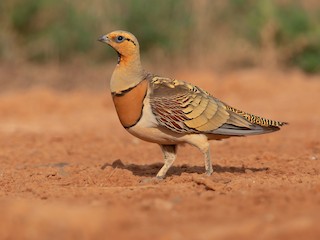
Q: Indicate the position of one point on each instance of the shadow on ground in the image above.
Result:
(152, 169)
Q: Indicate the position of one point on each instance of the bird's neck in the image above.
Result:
(127, 74)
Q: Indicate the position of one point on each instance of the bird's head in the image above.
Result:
(125, 43)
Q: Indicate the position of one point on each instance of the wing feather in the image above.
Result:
(185, 108)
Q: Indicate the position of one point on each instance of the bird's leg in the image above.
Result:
(201, 142)
(204, 147)
(169, 155)
(207, 160)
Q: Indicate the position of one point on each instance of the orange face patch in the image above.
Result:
(129, 105)
(127, 46)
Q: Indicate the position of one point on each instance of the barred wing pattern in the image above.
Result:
(184, 108)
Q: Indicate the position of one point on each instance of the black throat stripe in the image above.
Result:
(122, 93)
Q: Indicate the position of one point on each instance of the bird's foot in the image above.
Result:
(151, 180)
(209, 172)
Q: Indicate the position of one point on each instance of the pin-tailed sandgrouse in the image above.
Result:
(171, 112)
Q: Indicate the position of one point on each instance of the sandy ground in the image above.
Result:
(68, 170)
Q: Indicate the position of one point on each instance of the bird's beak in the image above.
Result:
(104, 38)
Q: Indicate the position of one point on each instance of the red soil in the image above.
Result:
(68, 170)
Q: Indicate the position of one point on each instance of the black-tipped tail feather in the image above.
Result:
(231, 130)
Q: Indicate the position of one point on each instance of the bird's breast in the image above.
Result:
(129, 104)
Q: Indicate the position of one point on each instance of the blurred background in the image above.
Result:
(68, 168)
(220, 35)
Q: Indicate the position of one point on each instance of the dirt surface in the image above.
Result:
(68, 170)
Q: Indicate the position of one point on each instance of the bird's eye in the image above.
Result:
(119, 39)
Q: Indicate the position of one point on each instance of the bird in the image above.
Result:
(171, 112)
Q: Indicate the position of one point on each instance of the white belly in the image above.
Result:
(156, 135)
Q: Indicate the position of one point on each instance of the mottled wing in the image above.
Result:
(185, 108)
